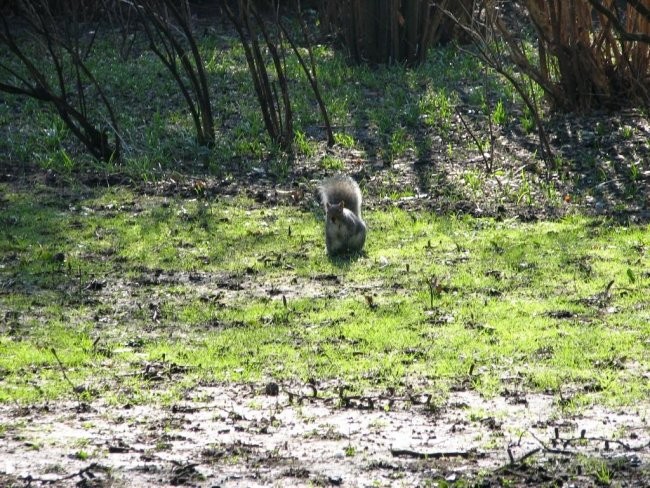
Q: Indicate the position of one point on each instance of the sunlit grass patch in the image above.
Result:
(133, 290)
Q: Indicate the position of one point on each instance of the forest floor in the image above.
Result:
(179, 324)
(252, 433)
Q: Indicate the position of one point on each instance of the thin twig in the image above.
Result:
(436, 454)
(488, 167)
(82, 473)
(62, 367)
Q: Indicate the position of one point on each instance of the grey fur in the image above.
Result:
(345, 230)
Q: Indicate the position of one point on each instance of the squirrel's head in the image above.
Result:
(334, 210)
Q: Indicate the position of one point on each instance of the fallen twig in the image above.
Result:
(436, 454)
(514, 461)
(85, 473)
(568, 441)
(77, 390)
(551, 450)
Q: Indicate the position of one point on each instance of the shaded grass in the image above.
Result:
(221, 290)
(374, 107)
(403, 126)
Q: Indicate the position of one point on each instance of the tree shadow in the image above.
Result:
(607, 156)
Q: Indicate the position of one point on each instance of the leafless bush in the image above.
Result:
(276, 108)
(487, 46)
(273, 94)
(309, 69)
(122, 16)
(168, 27)
(53, 68)
(591, 53)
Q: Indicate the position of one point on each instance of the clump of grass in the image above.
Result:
(499, 115)
(345, 140)
(303, 145)
(436, 108)
(332, 163)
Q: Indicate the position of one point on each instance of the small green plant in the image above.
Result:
(550, 191)
(627, 132)
(499, 116)
(437, 108)
(527, 121)
(435, 290)
(450, 150)
(525, 190)
(559, 163)
(350, 451)
(332, 163)
(34, 445)
(281, 164)
(602, 473)
(60, 161)
(398, 144)
(344, 140)
(55, 135)
(303, 145)
(162, 445)
(378, 425)
(476, 415)
(81, 455)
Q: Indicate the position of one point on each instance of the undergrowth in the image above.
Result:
(369, 108)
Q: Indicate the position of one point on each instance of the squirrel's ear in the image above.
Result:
(328, 205)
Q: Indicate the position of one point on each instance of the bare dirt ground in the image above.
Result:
(271, 435)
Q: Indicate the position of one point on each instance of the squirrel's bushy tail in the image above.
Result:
(341, 188)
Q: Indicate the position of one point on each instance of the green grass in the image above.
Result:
(195, 287)
(143, 296)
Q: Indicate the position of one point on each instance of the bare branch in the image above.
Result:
(67, 95)
(310, 72)
(617, 24)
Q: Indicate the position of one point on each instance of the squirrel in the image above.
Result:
(345, 231)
